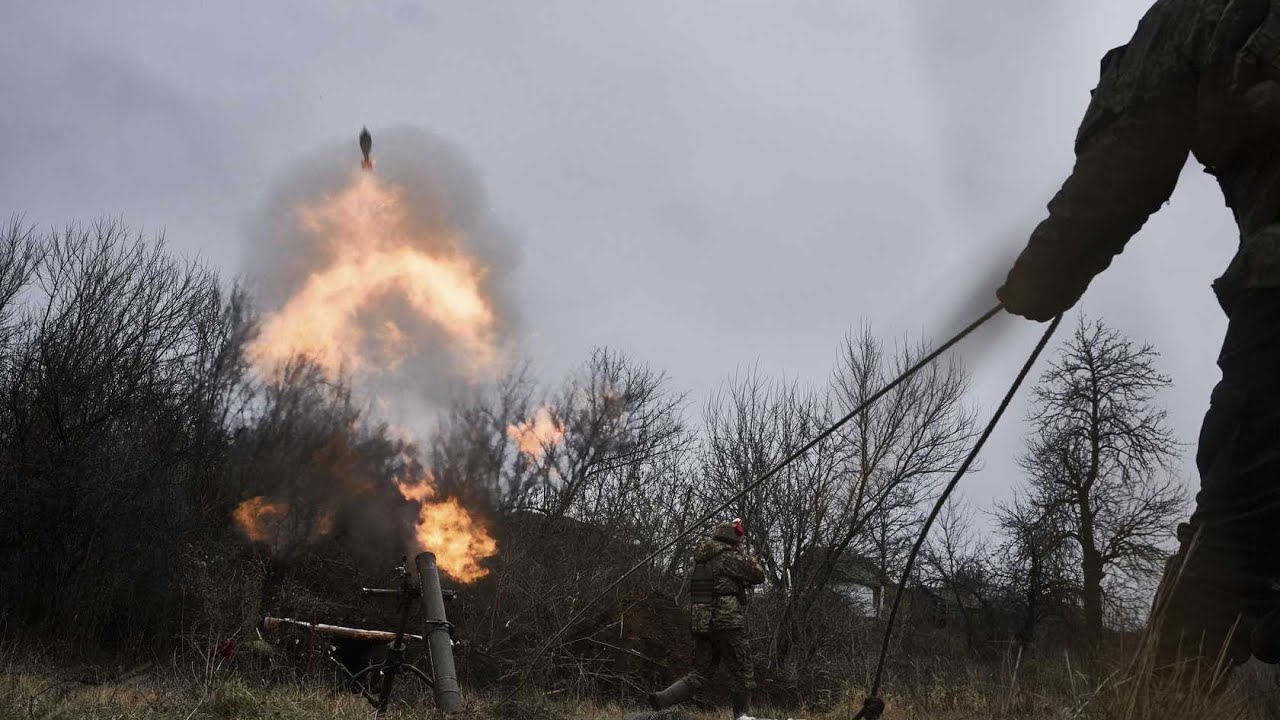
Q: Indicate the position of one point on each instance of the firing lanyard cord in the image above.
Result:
(926, 360)
(872, 706)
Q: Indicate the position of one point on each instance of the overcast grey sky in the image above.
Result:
(701, 184)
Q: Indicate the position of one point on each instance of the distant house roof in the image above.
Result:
(850, 569)
(942, 596)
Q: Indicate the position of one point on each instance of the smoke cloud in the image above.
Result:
(395, 280)
(413, 361)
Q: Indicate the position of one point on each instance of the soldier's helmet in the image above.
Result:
(729, 531)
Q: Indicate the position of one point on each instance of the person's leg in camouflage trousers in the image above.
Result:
(728, 646)
(731, 648)
(737, 653)
(707, 653)
(706, 657)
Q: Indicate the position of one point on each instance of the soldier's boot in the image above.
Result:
(741, 703)
(679, 691)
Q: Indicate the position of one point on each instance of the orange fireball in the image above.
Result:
(366, 230)
(533, 437)
(258, 518)
(460, 541)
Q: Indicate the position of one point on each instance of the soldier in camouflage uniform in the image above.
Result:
(718, 583)
(1199, 77)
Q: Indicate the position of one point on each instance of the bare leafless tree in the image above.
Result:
(954, 561)
(585, 480)
(616, 420)
(859, 491)
(1034, 564)
(896, 450)
(1100, 451)
(750, 425)
(220, 389)
(20, 254)
(472, 451)
(100, 391)
(600, 438)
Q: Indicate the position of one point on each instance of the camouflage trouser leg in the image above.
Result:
(728, 646)
(1230, 548)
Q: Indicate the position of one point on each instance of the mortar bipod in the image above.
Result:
(376, 681)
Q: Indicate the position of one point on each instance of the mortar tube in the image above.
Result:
(436, 629)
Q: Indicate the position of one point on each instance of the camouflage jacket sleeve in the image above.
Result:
(1131, 147)
(742, 567)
